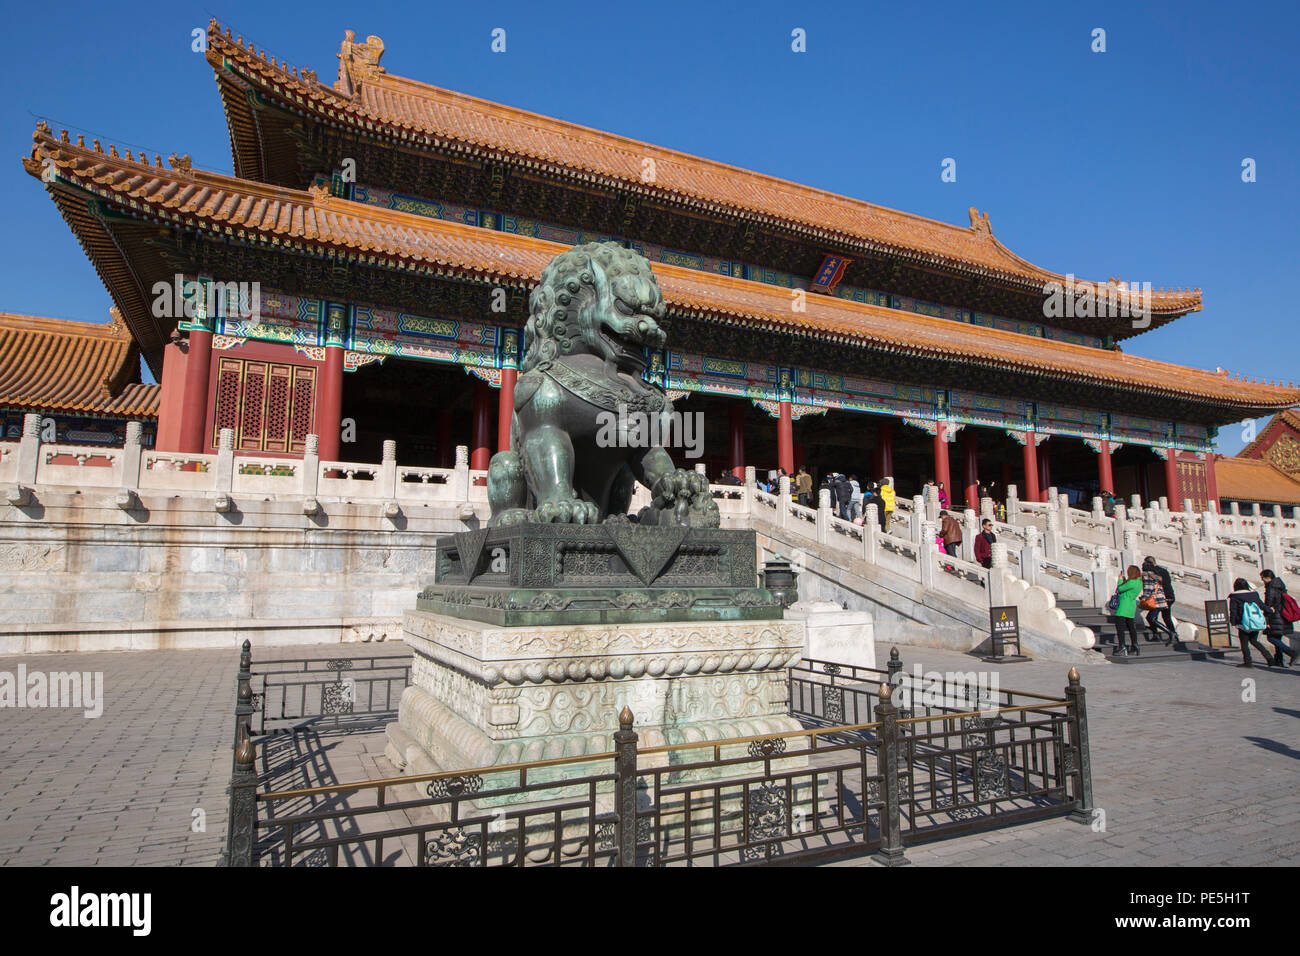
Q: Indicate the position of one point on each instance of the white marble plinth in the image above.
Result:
(834, 634)
(482, 695)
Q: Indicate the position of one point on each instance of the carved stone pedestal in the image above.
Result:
(482, 695)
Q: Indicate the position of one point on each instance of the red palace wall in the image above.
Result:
(169, 401)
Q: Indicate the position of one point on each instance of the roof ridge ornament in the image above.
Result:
(320, 193)
(182, 164)
(358, 62)
(116, 324)
(979, 224)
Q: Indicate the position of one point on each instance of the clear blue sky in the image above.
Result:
(1125, 163)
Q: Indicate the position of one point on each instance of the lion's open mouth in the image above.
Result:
(627, 351)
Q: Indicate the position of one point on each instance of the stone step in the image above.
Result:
(1156, 653)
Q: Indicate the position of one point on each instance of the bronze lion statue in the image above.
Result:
(595, 312)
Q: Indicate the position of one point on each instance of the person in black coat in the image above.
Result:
(1166, 585)
(1241, 596)
(842, 491)
(1278, 626)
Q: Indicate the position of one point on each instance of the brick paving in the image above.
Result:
(1186, 771)
(121, 789)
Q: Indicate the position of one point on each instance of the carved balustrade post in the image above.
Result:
(870, 530)
(1013, 505)
(460, 477)
(132, 458)
(388, 470)
(823, 515)
(309, 479)
(224, 477)
(29, 459)
(1118, 525)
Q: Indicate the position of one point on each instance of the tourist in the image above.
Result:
(886, 495)
(855, 500)
(1108, 504)
(949, 533)
(871, 496)
(1126, 609)
(1246, 613)
(1275, 607)
(803, 486)
(842, 496)
(943, 496)
(729, 478)
(984, 542)
(1159, 587)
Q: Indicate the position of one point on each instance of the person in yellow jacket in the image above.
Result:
(803, 487)
(887, 497)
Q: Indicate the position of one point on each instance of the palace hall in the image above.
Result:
(364, 275)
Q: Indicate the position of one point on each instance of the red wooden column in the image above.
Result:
(1211, 482)
(971, 469)
(329, 398)
(1105, 474)
(1171, 479)
(506, 407)
(736, 416)
(884, 449)
(785, 438)
(1030, 491)
(194, 397)
(1044, 472)
(329, 409)
(941, 457)
(481, 449)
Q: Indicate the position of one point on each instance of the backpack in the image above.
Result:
(1290, 610)
(1252, 617)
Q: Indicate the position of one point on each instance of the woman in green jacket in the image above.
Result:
(1127, 592)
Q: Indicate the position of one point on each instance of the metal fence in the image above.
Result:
(288, 693)
(833, 789)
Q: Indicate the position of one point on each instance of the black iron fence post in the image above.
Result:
(244, 692)
(240, 824)
(625, 788)
(1079, 751)
(888, 762)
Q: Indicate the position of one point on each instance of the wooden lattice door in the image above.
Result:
(268, 404)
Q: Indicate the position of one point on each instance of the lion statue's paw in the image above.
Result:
(567, 511)
(683, 498)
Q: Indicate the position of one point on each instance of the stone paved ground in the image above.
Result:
(121, 789)
(1186, 771)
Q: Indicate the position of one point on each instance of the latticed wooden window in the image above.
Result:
(268, 404)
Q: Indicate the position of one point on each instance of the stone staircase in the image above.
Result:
(1103, 625)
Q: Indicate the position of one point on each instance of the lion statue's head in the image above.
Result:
(597, 298)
